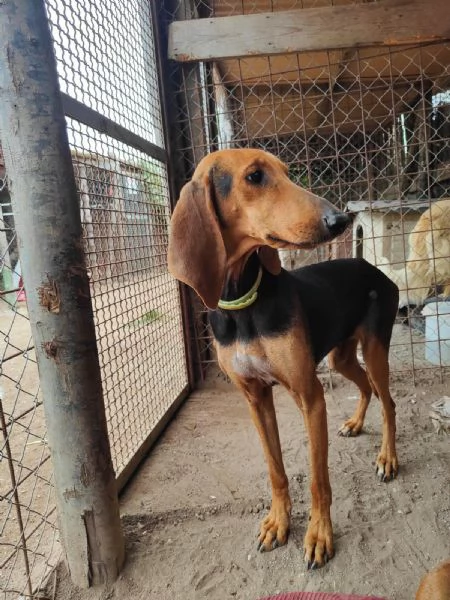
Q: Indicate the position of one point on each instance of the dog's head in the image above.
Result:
(238, 201)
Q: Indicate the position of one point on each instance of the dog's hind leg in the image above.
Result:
(375, 355)
(344, 360)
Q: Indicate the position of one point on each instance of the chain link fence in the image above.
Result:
(368, 129)
(106, 58)
(29, 546)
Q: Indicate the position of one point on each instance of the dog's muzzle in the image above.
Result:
(336, 222)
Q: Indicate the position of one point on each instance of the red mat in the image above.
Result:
(318, 596)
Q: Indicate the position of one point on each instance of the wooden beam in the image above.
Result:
(368, 64)
(289, 112)
(383, 23)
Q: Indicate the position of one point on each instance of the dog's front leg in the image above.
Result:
(274, 528)
(318, 543)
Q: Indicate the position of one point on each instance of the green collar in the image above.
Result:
(247, 300)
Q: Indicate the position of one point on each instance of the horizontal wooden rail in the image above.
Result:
(385, 23)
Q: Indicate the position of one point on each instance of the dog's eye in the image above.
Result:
(256, 177)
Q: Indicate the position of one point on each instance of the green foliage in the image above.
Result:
(148, 317)
(152, 178)
(299, 175)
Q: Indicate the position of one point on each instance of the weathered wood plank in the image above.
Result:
(367, 64)
(225, 8)
(385, 23)
(289, 113)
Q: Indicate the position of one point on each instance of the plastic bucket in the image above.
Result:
(437, 332)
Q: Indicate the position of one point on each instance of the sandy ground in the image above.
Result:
(192, 511)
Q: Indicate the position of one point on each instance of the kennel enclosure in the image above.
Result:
(360, 112)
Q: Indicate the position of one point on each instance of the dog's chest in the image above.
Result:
(251, 366)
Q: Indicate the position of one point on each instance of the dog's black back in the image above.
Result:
(332, 299)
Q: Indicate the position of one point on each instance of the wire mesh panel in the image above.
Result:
(367, 128)
(125, 213)
(29, 545)
(106, 61)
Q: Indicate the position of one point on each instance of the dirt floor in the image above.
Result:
(192, 511)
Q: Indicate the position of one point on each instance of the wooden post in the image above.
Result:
(47, 213)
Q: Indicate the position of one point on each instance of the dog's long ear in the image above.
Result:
(270, 259)
(196, 253)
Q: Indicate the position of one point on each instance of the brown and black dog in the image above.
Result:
(271, 325)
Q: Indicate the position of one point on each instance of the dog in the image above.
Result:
(273, 326)
(428, 263)
(435, 585)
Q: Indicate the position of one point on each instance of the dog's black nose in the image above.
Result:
(336, 222)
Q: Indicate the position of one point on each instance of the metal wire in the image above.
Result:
(125, 212)
(123, 185)
(29, 548)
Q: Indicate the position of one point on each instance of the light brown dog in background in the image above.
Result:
(428, 263)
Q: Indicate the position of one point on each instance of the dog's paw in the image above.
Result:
(274, 529)
(386, 467)
(318, 544)
(351, 428)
